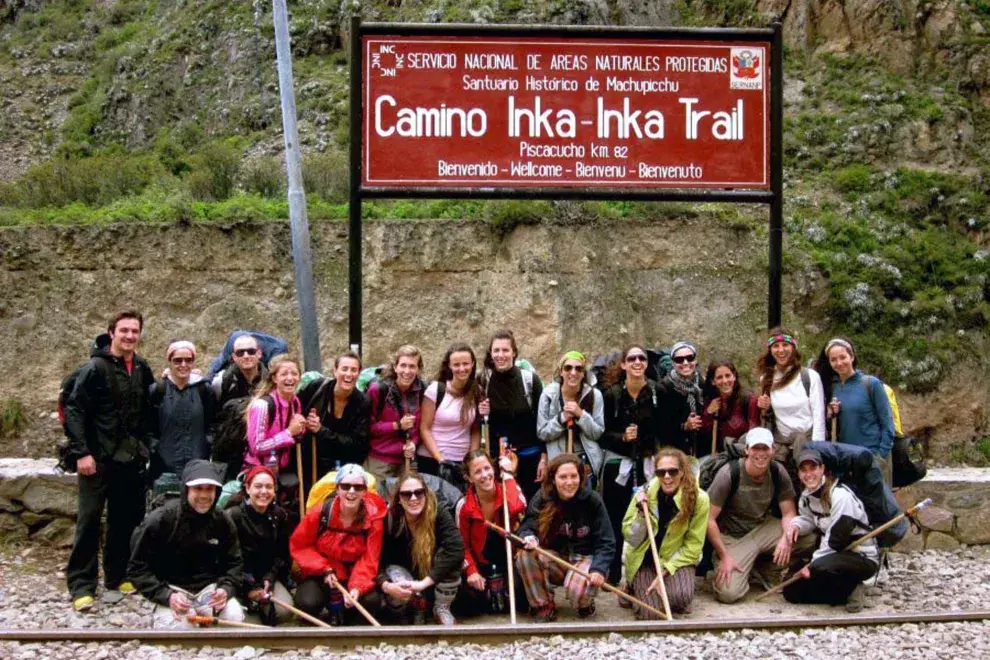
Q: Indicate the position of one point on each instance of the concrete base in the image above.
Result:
(959, 513)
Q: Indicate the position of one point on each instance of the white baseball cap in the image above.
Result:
(759, 436)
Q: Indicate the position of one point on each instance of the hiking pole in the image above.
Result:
(347, 597)
(656, 560)
(835, 424)
(714, 436)
(910, 513)
(315, 479)
(206, 620)
(571, 567)
(508, 544)
(299, 474)
(299, 613)
(570, 436)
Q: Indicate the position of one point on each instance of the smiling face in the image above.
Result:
(685, 362)
(125, 337)
(406, 371)
(246, 353)
(482, 475)
(669, 473)
(782, 353)
(502, 354)
(351, 491)
(412, 496)
(572, 373)
(725, 380)
(461, 366)
(811, 473)
(567, 481)
(759, 456)
(181, 364)
(261, 491)
(634, 364)
(286, 379)
(200, 498)
(841, 361)
(346, 372)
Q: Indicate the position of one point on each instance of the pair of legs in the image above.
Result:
(745, 550)
(617, 498)
(281, 615)
(165, 619)
(833, 579)
(313, 595)
(679, 586)
(539, 575)
(442, 596)
(121, 489)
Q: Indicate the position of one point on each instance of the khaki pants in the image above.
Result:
(744, 551)
(383, 470)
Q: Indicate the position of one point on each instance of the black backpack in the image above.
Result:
(230, 441)
(733, 456)
(66, 460)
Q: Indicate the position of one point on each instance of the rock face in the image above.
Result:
(36, 502)
(959, 513)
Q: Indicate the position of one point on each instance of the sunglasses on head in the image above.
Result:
(418, 494)
(636, 357)
(241, 352)
(577, 368)
(359, 488)
(182, 360)
(664, 472)
(681, 359)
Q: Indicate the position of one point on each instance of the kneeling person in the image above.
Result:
(741, 523)
(186, 557)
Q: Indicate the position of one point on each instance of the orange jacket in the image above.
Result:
(471, 522)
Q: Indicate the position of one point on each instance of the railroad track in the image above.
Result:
(349, 637)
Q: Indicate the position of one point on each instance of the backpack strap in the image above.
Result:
(325, 516)
(806, 381)
(527, 379)
(735, 469)
(441, 391)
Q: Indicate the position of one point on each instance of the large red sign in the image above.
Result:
(511, 112)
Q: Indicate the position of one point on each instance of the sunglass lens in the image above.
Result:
(681, 359)
(241, 352)
(635, 358)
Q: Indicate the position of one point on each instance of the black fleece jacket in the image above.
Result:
(264, 539)
(621, 411)
(344, 439)
(448, 552)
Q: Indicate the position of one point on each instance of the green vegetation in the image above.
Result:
(973, 453)
(13, 419)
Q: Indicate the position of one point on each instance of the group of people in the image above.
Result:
(577, 469)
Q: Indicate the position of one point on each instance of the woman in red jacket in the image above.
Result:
(342, 538)
(484, 590)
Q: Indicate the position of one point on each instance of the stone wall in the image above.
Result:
(959, 513)
(36, 502)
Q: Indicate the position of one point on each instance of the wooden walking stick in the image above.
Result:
(835, 424)
(299, 474)
(508, 544)
(714, 436)
(570, 436)
(206, 620)
(315, 478)
(299, 613)
(571, 567)
(656, 559)
(347, 597)
(910, 513)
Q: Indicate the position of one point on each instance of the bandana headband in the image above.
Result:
(178, 346)
(575, 355)
(832, 343)
(787, 339)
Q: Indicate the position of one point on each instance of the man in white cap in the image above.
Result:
(752, 503)
(186, 557)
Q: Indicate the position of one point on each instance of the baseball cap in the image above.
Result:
(200, 473)
(810, 455)
(759, 436)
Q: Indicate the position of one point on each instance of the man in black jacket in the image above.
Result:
(106, 419)
(186, 557)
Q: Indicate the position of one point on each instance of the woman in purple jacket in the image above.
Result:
(395, 413)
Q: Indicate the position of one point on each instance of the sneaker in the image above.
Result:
(545, 614)
(83, 604)
(585, 612)
(443, 615)
(127, 588)
(112, 597)
(857, 599)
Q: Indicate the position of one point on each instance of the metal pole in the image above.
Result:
(776, 175)
(354, 290)
(302, 256)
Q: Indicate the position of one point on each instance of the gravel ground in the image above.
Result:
(32, 595)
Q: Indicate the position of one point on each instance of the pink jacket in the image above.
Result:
(386, 442)
(263, 439)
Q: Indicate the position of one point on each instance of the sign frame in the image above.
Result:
(773, 196)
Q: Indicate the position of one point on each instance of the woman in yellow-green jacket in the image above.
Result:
(679, 516)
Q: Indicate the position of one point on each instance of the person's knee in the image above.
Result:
(734, 591)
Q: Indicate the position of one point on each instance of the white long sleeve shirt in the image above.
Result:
(797, 411)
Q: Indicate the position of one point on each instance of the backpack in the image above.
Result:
(370, 375)
(270, 346)
(67, 461)
(906, 468)
(733, 456)
(230, 441)
(856, 467)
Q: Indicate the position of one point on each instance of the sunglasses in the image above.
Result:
(577, 368)
(664, 472)
(681, 359)
(636, 358)
(182, 360)
(417, 494)
(241, 352)
(358, 488)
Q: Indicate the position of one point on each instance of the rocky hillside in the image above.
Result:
(123, 111)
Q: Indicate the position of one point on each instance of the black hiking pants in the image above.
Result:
(832, 580)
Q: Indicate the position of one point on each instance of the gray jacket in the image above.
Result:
(589, 427)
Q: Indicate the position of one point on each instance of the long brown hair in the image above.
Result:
(767, 363)
(826, 497)
(423, 529)
(552, 511)
(470, 394)
(689, 486)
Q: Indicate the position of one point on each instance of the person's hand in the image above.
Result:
(409, 450)
(86, 466)
(407, 422)
(541, 469)
(354, 595)
(693, 423)
(476, 582)
(397, 591)
(794, 533)
(438, 456)
(297, 425)
(530, 543)
(782, 553)
(763, 402)
(596, 579)
(655, 585)
(715, 406)
(833, 408)
(641, 497)
(312, 421)
(329, 578)
(219, 600)
(419, 586)
(505, 463)
(484, 408)
(572, 409)
(179, 604)
(725, 568)
(632, 432)
(257, 595)
(804, 573)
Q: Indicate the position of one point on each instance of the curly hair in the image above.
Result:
(689, 485)
(552, 511)
(766, 364)
(423, 529)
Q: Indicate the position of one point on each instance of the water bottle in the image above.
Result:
(272, 462)
(496, 590)
(336, 608)
(419, 609)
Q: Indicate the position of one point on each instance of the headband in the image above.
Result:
(575, 355)
(787, 339)
(832, 343)
(683, 344)
(350, 470)
(255, 471)
(178, 346)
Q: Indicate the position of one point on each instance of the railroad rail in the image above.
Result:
(351, 636)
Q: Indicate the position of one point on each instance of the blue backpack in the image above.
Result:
(270, 347)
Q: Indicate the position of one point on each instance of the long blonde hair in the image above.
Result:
(689, 486)
(423, 529)
(267, 386)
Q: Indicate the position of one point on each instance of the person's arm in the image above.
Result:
(707, 418)
(529, 524)
(548, 426)
(354, 438)
(592, 426)
(380, 427)
(259, 444)
(689, 554)
(753, 413)
(470, 566)
(804, 521)
(145, 545)
(885, 418)
(428, 412)
(476, 434)
(615, 424)
(78, 406)
(362, 577)
(282, 563)
(603, 539)
(634, 523)
(302, 544)
(449, 552)
(817, 402)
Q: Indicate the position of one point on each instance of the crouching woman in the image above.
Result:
(832, 509)
(679, 519)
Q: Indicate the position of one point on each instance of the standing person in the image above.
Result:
(263, 531)
(485, 563)
(791, 397)
(449, 427)
(568, 519)
(341, 538)
(835, 575)
(396, 400)
(511, 401)
(860, 402)
(183, 409)
(681, 402)
(735, 411)
(338, 415)
(570, 405)
(106, 417)
(233, 388)
(629, 438)
(679, 517)
(421, 555)
(275, 424)
(186, 558)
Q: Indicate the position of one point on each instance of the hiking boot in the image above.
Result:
(545, 614)
(443, 615)
(623, 603)
(585, 612)
(857, 599)
(83, 603)
(127, 588)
